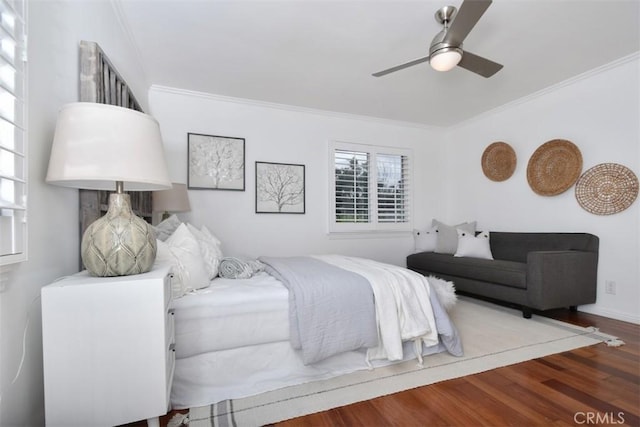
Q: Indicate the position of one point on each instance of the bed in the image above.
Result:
(272, 322)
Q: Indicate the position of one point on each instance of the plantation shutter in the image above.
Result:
(393, 188)
(370, 189)
(13, 146)
(352, 186)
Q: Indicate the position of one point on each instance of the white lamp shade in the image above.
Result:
(96, 145)
(173, 200)
(445, 59)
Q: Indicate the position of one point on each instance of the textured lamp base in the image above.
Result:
(120, 243)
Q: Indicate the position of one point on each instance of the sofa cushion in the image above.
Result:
(516, 246)
(507, 273)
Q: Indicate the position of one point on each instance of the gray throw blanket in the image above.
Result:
(331, 310)
(447, 332)
(239, 268)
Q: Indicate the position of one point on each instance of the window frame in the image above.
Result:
(17, 149)
(373, 226)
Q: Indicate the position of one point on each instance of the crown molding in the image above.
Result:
(550, 89)
(287, 107)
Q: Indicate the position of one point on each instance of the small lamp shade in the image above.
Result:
(174, 200)
(104, 147)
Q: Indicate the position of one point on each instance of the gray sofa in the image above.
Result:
(538, 271)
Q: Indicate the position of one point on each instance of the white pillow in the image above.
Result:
(447, 241)
(475, 247)
(209, 248)
(182, 251)
(167, 227)
(425, 240)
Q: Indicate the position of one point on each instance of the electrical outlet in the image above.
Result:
(610, 287)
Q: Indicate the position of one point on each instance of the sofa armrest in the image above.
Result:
(561, 278)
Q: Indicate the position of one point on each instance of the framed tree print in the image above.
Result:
(215, 162)
(280, 188)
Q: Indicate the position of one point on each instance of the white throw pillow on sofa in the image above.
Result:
(182, 251)
(473, 246)
(447, 241)
(425, 240)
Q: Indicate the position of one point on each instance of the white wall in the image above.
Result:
(287, 135)
(600, 113)
(55, 30)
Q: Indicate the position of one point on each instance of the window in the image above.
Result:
(370, 188)
(13, 144)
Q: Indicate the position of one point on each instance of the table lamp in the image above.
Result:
(171, 201)
(105, 147)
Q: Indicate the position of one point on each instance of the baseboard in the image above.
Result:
(612, 314)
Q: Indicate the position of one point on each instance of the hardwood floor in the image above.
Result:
(597, 385)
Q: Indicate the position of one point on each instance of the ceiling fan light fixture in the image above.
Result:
(445, 59)
(445, 50)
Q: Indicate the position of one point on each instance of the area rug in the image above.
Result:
(493, 336)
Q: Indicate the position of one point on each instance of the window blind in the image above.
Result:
(13, 147)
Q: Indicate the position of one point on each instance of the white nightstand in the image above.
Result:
(107, 349)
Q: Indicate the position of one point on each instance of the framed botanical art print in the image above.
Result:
(215, 162)
(279, 188)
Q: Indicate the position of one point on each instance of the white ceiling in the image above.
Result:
(320, 54)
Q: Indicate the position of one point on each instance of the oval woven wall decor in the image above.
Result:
(498, 161)
(554, 167)
(606, 189)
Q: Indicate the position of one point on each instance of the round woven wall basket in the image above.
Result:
(606, 189)
(498, 161)
(554, 167)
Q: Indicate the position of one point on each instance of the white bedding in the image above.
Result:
(231, 313)
(232, 341)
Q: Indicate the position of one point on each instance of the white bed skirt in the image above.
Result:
(209, 378)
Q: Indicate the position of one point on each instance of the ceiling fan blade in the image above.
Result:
(468, 15)
(401, 67)
(478, 64)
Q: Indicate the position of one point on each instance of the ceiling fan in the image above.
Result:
(446, 51)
